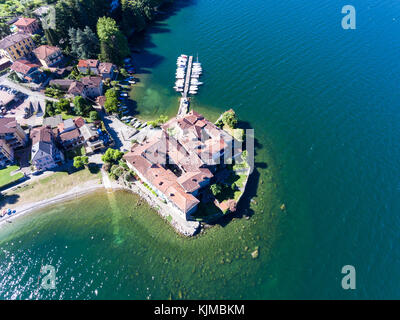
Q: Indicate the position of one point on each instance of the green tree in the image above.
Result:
(216, 189)
(229, 119)
(124, 73)
(37, 39)
(111, 104)
(4, 30)
(82, 106)
(94, 115)
(116, 171)
(84, 44)
(63, 105)
(113, 44)
(50, 108)
(51, 37)
(80, 161)
(112, 156)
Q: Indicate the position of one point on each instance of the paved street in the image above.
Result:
(33, 96)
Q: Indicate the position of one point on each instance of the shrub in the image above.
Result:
(80, 161)
(94, 115)
(112, 155)
(216, 189)
(229, 119)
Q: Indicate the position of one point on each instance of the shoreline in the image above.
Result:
(164, 212)
(27, 208)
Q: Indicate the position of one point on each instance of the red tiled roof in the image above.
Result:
(7, 125)
(24, 22)
(41, 134)
(23, 66)
(89, 63)
(101, 100)
(79, 122)
(105, 67)
(70, 135)
(76, 87)
(91, 82)
(44, 51)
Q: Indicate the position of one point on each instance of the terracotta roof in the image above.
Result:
(41, 134)
(190, 181)
(23, 66)
(8, 125)
(91, 82)
(88, 63)
(184, 201)
(105, 67)
(70, 135)
(101, 100)
(24, 22)
(44, 51)
(163, 180)
(194, 136)
(13, 39)
(79, 122)
(76, 87)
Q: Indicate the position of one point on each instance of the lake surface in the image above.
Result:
(324, 103)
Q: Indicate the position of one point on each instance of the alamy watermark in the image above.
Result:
(49, 280)
(349, 280)
(349, 20)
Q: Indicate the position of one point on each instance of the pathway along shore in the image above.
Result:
(183, 227)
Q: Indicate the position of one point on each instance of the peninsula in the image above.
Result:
(66, 121)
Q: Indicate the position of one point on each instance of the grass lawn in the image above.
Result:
(51, 186)
(66, 116)
(6, 177)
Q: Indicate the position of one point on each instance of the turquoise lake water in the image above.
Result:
(324, 103)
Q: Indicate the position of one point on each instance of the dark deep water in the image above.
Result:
(324, 103)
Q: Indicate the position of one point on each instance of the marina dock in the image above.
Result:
(187, 74)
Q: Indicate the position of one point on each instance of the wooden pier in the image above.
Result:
(187, 79)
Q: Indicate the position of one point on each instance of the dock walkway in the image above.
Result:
(187, 79)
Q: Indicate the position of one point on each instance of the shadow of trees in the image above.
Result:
(8, 199)
(243, 209)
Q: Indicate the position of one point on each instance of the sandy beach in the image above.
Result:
(183, 227)
(74, 193)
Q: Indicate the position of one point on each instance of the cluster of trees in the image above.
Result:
(82, 106)
(84, 44)
(111, 104)
(229, 119)
(112, 156)
(77, 14)
(79, 20)
(80, 161)
(4, 30)
(113, 43)
(53, 92)
(54, 107)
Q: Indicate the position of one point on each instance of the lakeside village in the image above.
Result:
(58, 113)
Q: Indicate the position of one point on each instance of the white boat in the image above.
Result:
(193, 92)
